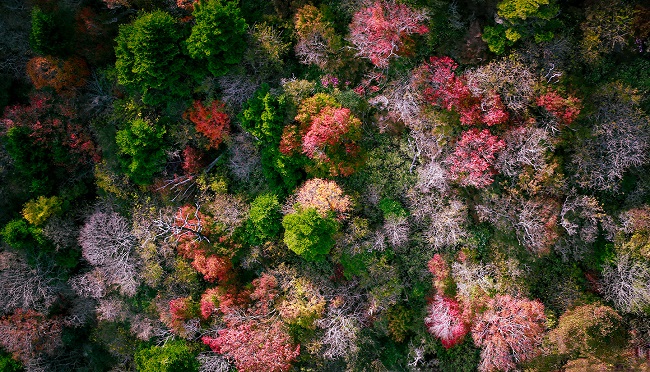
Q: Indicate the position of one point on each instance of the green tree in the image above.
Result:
(150, 60)
(140, 145)
(37, 211)
(18, 234)
(174, 356)
(8, 364)
(218, 36)
(264, 116)
(30, 162)
(50, 33)
(308, 234)
(264, 218)
(522, 19)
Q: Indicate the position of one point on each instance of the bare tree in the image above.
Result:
(620, 140)
(444, 220)
(341, 333)
(626, 282)
(396, 229)
(243, 157)
(24, 287)
(210, 361)
(525, 147)
(107, 244)
(510, 78)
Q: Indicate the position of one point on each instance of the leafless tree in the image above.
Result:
(626, 282)
(24, 287)
(471, 277)
(236, 89)
(92, 284)
(210, 361)
(525, 146)
(107, 244)
(61, 231)
(243, 157)
(443, 220)
(340, 333)
(396, 229)
(510, 78)
(620, 140)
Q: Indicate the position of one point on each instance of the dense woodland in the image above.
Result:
(324, 185)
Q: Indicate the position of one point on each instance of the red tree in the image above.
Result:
(255, 346)
(510, 331)
(26, 334)
(471, 163)
(564, 109)
(213, 267)
(211, 121)
(382, 30)
(445, 321)
(64, 76)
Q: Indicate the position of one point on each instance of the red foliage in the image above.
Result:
(255, 346)
(381, 30)
(264, 294)
(444, 88)
(209, 302)
(193, 160)
(181, 308)
(26, 334)
(565, 109)
(471, 162)
(213, 267)
(290, 142)
(211, 121)
(445, 321)
(52, 124)
(510, 331)
(330, 140)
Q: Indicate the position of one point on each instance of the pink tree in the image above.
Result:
(510, 331)
(445, 321)
(471, 163)
(382, 29)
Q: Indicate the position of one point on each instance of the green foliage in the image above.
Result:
(399, 322)
(392, 207)
(522, 19)
(264, 218)
(50, 33)
(463, 357)
(8, 364)
(264, 116)
(31, 163)
(150, 60)
(20, 235)
(174, 356)
(308, 234)
(218, 36)
(141, 148)
(37, 211)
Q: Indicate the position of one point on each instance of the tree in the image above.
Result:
(218, 36)
(37, 211)
(64, 76)
(566, 110)
(445, 321)
(521, 19)
(382, 29)
(107, 243)
(264, 218)
(211, 121)
(590, 330)
(619, 140)
(325, 196)
(331, 140)
(255, 346)
(24, 287)
(626, 282)
(149, 58)
(27, 334)
(140, 145)
(607, 28)
(472, 161)
(50, 33)
(510, 331)
(308, 234)
(173, 356)
(316, 36)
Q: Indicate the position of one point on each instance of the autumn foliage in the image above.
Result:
(62, 75)
(382, 30)
(27, 333)
(210, 120)
(564, 109)
(445, 321)
(326, 196)
(509, 332)
(472, 161)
